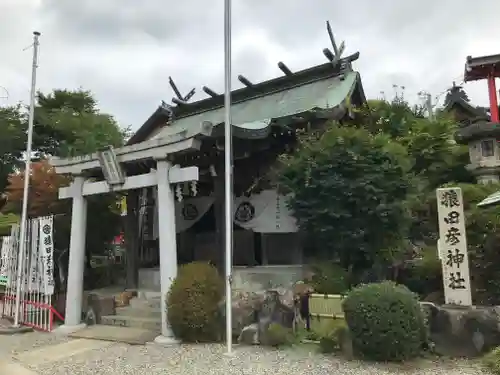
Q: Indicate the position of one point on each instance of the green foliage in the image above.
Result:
(279, 336)
(491, 361)
(329, 278)
(69, 123)
(437, 158)
(12, 141)
(392, 118)
(349, 188)
(330, 340)
(193, 303)
(6, 222)
(386, 322)
(424, 275)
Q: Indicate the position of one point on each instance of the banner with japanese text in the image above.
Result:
(46, 249)
(5, 260)
(453, 247)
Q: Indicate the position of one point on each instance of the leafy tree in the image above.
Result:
(43, 190)
(437, 158)
(6, 223)
(349, 190)
(67, 123)
(431, 145)
(392, 118)
(12, 141)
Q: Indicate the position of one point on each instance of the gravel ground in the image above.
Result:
(11, 345)
(120, 359)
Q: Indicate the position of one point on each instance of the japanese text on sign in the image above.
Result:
(46, 254)
(453, 247)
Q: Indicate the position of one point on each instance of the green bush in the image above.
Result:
(424, 276)
(330, 341)
(329, 278)
(386, 322)
(193, 303)
(492, 361)
(279, 335)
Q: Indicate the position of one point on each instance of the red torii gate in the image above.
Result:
(485, 67)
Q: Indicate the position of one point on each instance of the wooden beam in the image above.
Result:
(209, 91)
(245, 81)
(285, 68)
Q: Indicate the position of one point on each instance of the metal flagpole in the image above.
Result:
(24, 212)
(228, 170)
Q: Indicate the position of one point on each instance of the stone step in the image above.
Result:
(140, 303)
(148, 294)
(152, 324)
(145, 311)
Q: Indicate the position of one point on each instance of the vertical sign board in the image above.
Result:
(453, 247)
(5, 256)
(34, 253)
(46, 249)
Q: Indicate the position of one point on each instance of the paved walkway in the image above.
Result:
(35, 353)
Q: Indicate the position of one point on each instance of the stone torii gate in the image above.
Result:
(111, 162)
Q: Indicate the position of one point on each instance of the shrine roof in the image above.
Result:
(477, 68)
(320, 89)
(475, 112)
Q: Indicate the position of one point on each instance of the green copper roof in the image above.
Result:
(492, 200)
(255, 115)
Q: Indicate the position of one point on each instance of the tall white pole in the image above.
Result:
(27, 170)
(228, 174)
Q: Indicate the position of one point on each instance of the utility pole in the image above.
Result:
(427, 97)
(27, 170)
(228, 175)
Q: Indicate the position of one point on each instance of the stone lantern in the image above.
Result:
(482, 137)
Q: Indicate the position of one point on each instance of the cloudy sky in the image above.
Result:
(124, 50)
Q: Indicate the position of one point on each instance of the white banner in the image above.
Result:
(266, 212)
(453, 247)
(15, 230)
(34, 275)
(46, 249)
(5, 257)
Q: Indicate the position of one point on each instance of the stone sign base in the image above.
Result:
(463, 331)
